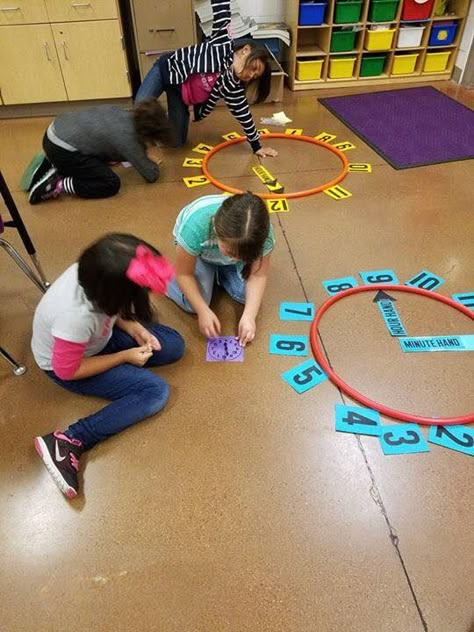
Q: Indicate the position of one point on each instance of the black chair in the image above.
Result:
(36, 275)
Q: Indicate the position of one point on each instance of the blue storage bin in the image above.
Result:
(443, 34)
(312, 13)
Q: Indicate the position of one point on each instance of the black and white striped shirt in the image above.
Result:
(216, 55)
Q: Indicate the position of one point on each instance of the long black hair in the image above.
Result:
(257, 51)
(242, 221)
(102, 275)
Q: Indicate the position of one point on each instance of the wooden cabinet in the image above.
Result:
(76, 54)
(29, 65)
(161, 26)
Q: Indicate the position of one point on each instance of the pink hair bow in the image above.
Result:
(149, 270)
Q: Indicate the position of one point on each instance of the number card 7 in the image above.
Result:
(296, 311)
(305, 376)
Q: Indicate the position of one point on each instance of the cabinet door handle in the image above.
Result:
(46, 50)
(81, 4)
(161, 30)
(63, 43)
(9, 8)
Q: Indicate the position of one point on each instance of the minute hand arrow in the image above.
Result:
(389, 313)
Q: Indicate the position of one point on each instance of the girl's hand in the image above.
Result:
(263, 153)
(209, 324)
(137, 356)
(247, 329)
(144, 337)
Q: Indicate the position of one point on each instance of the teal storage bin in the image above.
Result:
(347, 11)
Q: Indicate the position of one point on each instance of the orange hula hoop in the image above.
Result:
(269, 196)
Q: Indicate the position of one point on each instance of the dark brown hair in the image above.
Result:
(257, 51)
(151, 123)
(243, 222)
(102, 275)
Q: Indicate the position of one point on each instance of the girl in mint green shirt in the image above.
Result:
(225, 240)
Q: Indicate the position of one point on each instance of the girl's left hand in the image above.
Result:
(144, 337)
(263, 153)
(247, 329)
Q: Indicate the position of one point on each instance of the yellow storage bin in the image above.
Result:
(341, 67)
(404, 64)
(379, 40)
(309, 70)
(436, 62)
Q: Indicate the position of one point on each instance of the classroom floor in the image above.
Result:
(239, 508)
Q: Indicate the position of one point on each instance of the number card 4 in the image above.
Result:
(282, 344)
(459, 438)
(296, 311)
(357, 420)
(305, 376)
(402, 439)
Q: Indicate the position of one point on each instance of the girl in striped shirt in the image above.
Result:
(201, 74)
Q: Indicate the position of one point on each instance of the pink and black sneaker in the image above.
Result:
(61, 456)
(48, 187)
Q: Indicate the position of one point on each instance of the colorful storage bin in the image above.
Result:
(372, 65)
(341, 67)
(442, 34)
(311, 13)
(379, 40)
(404, 64)
(416, 9)
(309, 69)
(410, 36)
(347, 11)
(382, 10)
(436, 62)
(342, 41)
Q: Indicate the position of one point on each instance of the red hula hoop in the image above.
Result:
(362, 399)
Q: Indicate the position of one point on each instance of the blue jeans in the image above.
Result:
(156, 82)
(135, 392)
(207, 274)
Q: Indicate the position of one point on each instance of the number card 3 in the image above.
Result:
(402, 439)
(459, 438)
(296, 311)
(305, 376)
(282, 344)
(357, 420)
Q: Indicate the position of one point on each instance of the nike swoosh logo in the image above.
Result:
(57, 454)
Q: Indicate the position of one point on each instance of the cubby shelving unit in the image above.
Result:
(313, 43)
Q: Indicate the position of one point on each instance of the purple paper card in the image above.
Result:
(224, 349)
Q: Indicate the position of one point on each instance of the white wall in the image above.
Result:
(264, 10)
(467, 39)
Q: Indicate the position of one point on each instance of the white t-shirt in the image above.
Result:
(65, 312)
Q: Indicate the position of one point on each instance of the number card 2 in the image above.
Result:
(231, 135)
(357, 420)
(334, 286)
(459, 438)
(283, 344)
(402, 439)
(305, 376)
(296, 311)
(195, 181)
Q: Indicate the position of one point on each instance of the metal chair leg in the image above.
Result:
(18, 369)
(40, 283)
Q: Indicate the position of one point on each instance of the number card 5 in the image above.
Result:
(282, 344)
(305, 376)
(357, 420)
(402, 439)
(296, 311)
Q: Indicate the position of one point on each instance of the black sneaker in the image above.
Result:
(47, 187)
(37, 168)
(61, 456)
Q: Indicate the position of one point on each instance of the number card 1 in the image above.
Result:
(402, 439)
(357, 420)
(296, 311)
(282, 344)
(334, 286)
(459, 438)
(379, 276)
(305, 376)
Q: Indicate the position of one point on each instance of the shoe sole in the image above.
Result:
(56, 475)
(38, 166)
(36, 199)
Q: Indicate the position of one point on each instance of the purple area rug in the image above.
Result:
(410, 127)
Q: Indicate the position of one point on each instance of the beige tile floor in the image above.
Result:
(239, 508)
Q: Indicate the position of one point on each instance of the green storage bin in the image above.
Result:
(383, 10)
(342, 41)
(347, 11)
(372, 65)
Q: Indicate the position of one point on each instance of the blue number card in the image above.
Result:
(379, 276)
(357, 420)
(402, 439)
(334, 286)
(283, 344)
(426, 280)
(466, 299)
(459, 438)
(305, 376)
(296, 311)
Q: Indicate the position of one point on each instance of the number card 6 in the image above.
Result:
(305, 376)
(282, 344)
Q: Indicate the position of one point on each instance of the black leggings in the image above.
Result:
(91, 177)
